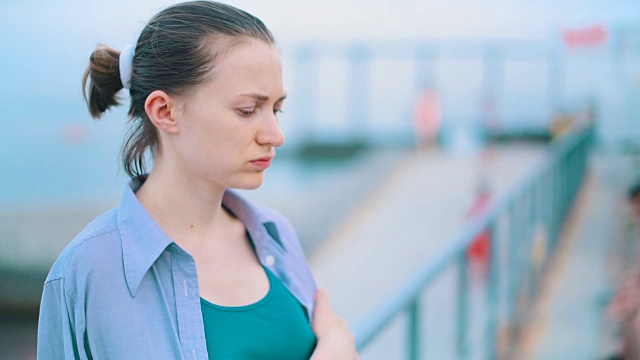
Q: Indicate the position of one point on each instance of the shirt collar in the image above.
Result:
(143, 241)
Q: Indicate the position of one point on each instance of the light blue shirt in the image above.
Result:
(122, 289)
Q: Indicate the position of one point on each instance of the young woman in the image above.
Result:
(185, 268)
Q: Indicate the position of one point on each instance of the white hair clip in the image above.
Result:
(126, 65)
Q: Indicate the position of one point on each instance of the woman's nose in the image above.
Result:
(270, 133)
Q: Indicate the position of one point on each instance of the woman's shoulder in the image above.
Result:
(97, 239)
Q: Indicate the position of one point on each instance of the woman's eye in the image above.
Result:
(246, 112)
(275, 111)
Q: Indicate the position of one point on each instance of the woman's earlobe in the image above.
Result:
(159, 107)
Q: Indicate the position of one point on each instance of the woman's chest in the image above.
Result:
(274, 327)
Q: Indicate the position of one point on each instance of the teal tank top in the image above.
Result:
(276, 327)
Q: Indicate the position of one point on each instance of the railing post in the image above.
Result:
(555, 199)
(566, 179)
(570, 179)
(511, 259)
(492, 291)
(414, 330)
(516, 226)
(532, 221)
(547, 213)
(509, 298)
(463, 294)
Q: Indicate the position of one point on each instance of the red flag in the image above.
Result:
(591, 36)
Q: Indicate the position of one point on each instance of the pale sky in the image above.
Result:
(47, 42)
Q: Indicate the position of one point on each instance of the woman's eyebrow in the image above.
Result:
(261, 97)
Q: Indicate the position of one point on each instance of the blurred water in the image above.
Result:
(56, 153)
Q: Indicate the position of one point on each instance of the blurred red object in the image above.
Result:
(478, 251)
(427, 114)
(595, 35)
(74, 134)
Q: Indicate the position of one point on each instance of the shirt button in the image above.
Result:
(186, 293)
(194, 354)
(270, 260)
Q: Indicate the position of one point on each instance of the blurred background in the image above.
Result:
(457, 170)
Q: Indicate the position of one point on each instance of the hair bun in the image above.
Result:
(101, 81)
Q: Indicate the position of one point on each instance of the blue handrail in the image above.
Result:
(537, 207)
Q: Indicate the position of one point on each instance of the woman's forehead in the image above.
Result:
(253, 67)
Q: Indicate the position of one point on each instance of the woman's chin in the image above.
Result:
(248, 187)
(250, 183)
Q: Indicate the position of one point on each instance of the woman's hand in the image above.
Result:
(335, 340)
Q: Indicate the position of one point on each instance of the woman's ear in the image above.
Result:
(161, 109)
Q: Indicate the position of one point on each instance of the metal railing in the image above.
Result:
(527, 221)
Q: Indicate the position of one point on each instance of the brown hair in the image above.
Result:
(172, 54)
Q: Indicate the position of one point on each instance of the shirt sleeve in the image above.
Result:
(56, 330)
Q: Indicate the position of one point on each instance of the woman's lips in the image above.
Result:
(262, 163)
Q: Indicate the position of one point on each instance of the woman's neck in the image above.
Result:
(188, 210)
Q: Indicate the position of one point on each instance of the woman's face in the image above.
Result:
(228, 127)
